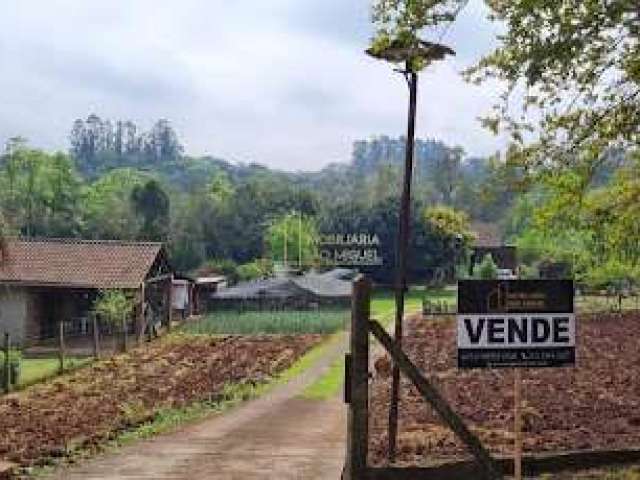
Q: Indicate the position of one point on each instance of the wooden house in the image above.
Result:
(46, 281)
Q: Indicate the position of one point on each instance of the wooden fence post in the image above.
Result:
(61, 345)
(140, 317)
(124, 333)
(358, 415)
(7, 364)
(96, 337)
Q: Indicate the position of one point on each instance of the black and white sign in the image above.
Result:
(515, 323)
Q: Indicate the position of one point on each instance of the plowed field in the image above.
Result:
(89, 405)
(594, 405)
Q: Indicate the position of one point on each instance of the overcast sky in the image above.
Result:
(280, 82)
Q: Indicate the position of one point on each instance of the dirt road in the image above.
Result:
(278, 436)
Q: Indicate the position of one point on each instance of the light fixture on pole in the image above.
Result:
(415, 55)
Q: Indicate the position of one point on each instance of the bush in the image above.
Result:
(226, 267)
(529, 272)
(113, 306)
(254, 270)
(612, 275)
(488, 268)
(15, 357)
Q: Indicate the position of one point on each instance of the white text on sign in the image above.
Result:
(516, 330)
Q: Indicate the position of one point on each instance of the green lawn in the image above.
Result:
(383, 304)
(447, 295)
(33, 370)
(270, 322)
(329, 384)
(382, 309)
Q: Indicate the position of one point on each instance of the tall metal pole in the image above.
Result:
(402, 254)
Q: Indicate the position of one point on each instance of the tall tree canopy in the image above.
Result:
(151, 203)
(399, 24)
(99, 145)
(39, 192)
(574, 66)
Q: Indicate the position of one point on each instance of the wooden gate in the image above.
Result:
(357, 396)
(484, 465)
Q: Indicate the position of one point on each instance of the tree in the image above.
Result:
(400, 22)
(64, 217)
(575, 66)
(448, 235)
(220, 188)
(99, 145)
(254, 270)
(447, 173)
(107, 209)
(113, 306)
(39, 192)
(294, 235)
(163, 142)
(432, 245)
(151, 204)
(488, 269)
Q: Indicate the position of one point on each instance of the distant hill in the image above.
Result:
(442, 173)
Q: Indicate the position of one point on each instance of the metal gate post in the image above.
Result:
(358, 387)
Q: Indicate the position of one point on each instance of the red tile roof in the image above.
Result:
(77, 263)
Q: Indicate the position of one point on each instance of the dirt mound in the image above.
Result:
(594, 405)
(89, 405)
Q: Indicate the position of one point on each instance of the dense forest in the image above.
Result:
(119, 182)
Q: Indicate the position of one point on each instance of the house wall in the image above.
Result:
(36, 314)
(14, 313)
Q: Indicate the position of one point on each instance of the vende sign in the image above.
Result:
(516, 323)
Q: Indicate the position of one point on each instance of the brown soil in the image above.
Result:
(277, 436)
(88, 406)
(594, 405)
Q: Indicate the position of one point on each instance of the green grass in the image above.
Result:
(271, 322)
(383, 304)
(449, 296)
(328, 385)
(310, 358)
(383, 309)
(34, 370)
(169, 419)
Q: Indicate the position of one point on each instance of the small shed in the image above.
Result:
(204, 288)
(182, 296)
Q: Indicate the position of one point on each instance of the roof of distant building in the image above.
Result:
(99, 264)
